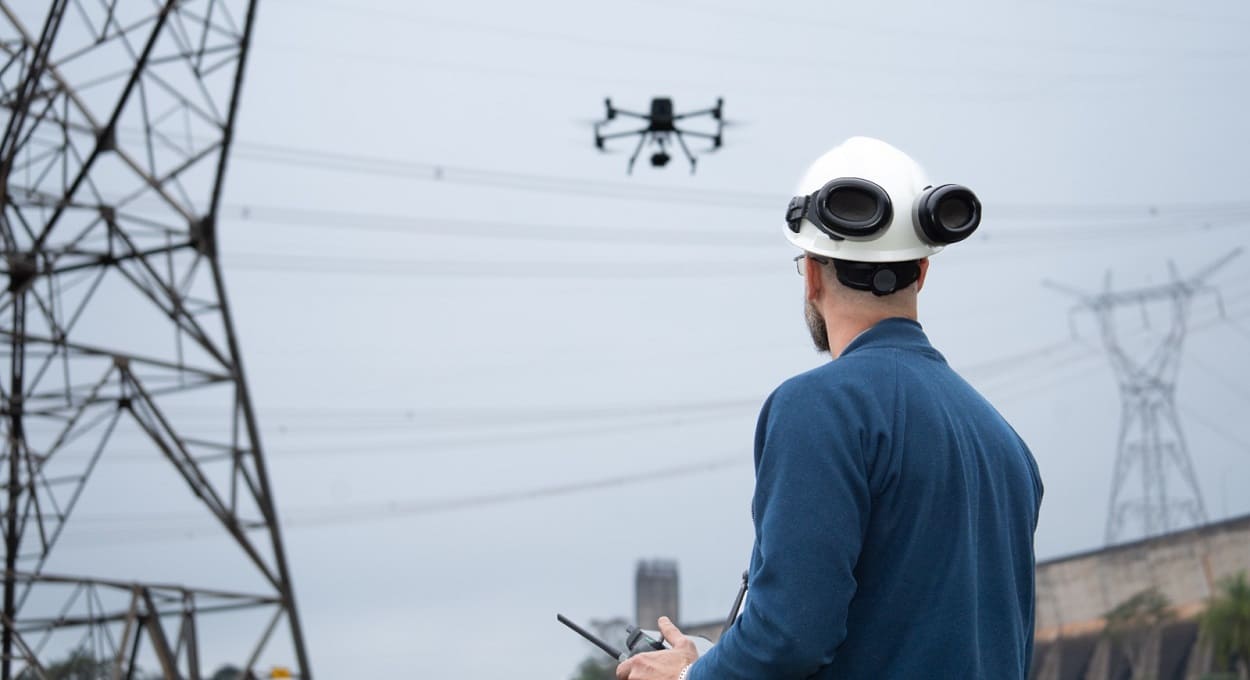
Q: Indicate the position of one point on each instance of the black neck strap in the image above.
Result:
(882, 278)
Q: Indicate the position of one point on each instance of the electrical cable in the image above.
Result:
(493, 229)
(1123, 219)
(302, 518)
(975, 41)
(454, 174)
(431, 446)
(1217, 429)
(482, 269)
(945, 37)
(1127, 218)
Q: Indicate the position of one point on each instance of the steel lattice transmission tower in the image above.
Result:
(114, 319)
(1153, 487)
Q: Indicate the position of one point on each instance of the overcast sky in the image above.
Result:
(492, 371)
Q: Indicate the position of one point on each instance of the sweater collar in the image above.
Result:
(895, 332)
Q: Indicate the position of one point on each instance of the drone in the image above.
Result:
(661, 127)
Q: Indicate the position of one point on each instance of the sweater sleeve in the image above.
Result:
(811, 508)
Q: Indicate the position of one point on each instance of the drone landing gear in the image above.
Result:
(686, 150)
(642, 139)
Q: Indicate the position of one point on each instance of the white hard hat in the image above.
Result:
(866, 201)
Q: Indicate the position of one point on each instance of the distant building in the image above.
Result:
(656, 592)
(1073, 595)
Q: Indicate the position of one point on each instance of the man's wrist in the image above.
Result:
(684, 672)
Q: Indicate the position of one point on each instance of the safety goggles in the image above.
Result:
(858, 209)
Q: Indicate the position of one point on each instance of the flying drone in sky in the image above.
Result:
(661, 127)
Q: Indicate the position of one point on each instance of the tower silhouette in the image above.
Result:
(1153, 487)
(115, 322)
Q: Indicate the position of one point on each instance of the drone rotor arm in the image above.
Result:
(693, 114)
(714, 138)
(632, 114)
(629, 168)
(617, 135)
(694, 133)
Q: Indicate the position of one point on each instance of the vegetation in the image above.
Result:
(597, 667)
(227, 672)
(1226, 625)
(1130, 621)
(81, 664)
(1146, 609)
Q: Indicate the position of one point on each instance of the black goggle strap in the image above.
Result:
(882, 278)
(807, 206)
(797, 210)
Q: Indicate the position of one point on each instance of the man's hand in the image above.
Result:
(664, 665)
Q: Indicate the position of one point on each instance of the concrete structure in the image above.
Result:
(1075, 592)
(1186, 566)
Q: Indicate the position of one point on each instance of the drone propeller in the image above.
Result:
(601, 147)
(580, 142)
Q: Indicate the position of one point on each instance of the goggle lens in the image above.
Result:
(955, 213)
(852, 204)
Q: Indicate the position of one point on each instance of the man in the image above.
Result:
(894, 508)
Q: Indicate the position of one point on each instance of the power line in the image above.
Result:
(438, 445)
(1094, 219)
(436, 226)
(859, 26)
(486, 416)
(1217, 429)
(1125, 217)
(1121, 10)
(454, 174)
(945, 37)
(304, 518)
(482, 269)
(1221, 378)
(412, 225)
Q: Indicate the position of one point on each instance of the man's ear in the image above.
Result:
(815, 278)
(924, 269)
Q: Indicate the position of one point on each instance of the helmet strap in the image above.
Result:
(882, 278)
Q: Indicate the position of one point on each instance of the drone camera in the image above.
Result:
(660, 159)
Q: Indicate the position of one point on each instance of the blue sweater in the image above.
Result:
(894, 513)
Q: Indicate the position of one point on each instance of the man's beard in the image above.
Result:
(816, 326)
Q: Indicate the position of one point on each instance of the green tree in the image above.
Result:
(1130, 622)
(1145, 609)
(597, 667)
(79, 664)
(1226, 625)
(227, 672)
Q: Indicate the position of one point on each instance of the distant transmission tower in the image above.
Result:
(115, 322)
(1153, 486)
